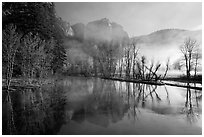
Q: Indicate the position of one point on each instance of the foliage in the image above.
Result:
(40, 33)
(35, 17)
(10, 43)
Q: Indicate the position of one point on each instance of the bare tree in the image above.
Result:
(128, 61)
(139, 69)
(143, 60)
(42, 58)
(153, 72)
(188, 49)
(197, 56)
(30, 44)
(120, 66)
(167, 68)
(150, 70)
(135, 53)
(11, 42)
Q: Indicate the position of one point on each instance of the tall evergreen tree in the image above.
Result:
(36, 18)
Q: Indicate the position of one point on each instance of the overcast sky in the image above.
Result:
(136, 18)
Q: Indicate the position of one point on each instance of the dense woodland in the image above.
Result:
(34, 47)
(32, 40)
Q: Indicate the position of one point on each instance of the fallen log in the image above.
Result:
(151, 82)
(135, 81)
(177, 85)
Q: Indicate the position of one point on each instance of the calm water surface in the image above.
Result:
(94, 106)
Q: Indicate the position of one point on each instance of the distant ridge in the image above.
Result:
(168, 37)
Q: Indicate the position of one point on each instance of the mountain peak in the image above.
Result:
(105, 30)
(105, 20)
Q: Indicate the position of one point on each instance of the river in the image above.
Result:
(76, 105)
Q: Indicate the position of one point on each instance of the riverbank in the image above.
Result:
(180, 81)
(159, 83)
(197, 79)
(26, 83)
(135, 81)
(34, 83)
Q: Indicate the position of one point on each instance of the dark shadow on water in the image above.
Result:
(33, 111)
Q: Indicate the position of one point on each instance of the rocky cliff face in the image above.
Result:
(104, 30)
(69, 31)
(79, 30)
(98, 31)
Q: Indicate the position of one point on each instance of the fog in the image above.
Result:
(137, 18)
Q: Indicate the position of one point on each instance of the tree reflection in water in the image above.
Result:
(8, 119)
(96, 101)
(33, 111)
(101, 107)
(141, 96)
(192, 108)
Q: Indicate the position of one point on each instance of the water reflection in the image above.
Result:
(33, 111)
(95, 106)
(101, 107)
(192, 108)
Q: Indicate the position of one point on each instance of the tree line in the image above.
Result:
(109, 59)
(32, 40)
(126, 61)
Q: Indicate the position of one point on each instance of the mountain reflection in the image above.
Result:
(102, 106)
(99, 102)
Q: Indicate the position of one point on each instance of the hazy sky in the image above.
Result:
(136, 18)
